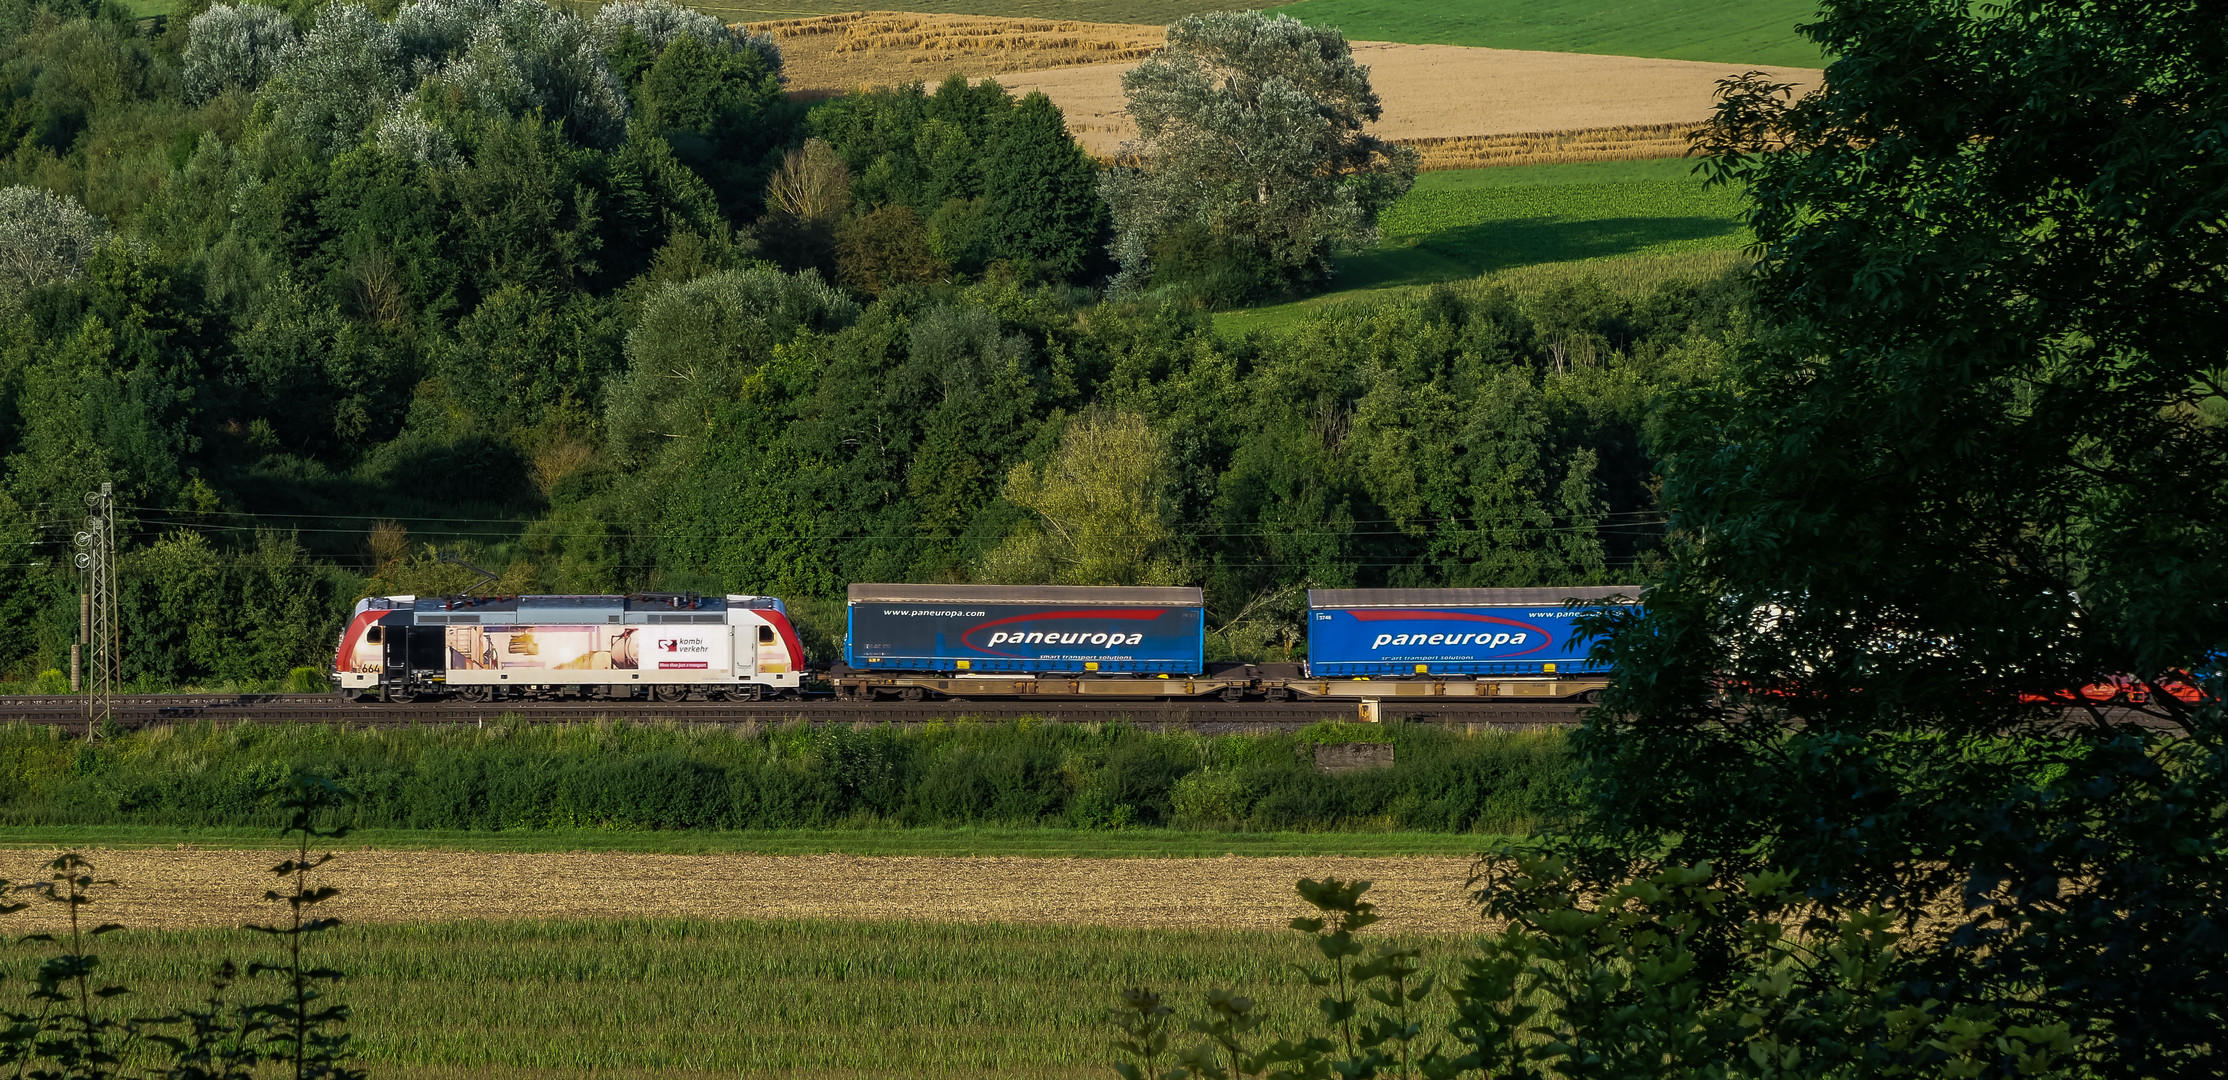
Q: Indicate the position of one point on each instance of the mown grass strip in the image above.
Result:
(1047, 843)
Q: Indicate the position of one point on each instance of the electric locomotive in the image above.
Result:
(661, 646)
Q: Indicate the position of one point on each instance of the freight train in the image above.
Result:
(954, 642)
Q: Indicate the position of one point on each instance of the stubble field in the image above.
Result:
(1461, 106)
(181, 889)
(1753, 32)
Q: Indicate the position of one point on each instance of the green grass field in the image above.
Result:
(1639, 220)
(497, 1001)
(1063, 843)
(1718, 31)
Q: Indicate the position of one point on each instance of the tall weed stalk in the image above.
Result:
(70, 1037)
(301, 1029)
(70, 1033)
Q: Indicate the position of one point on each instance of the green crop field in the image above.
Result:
(503, 1000)
(1645, 220)
(1060, 843)
(1719, 31)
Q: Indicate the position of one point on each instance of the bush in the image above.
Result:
(619, 776)
(885, 248)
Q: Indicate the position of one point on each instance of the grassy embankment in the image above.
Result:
(1143, 843)
(788, 788)
(496, 1001)
(1632, 224)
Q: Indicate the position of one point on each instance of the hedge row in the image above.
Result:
(623, 776)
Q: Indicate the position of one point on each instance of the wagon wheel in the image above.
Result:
(401, 695)
(669, 693)
(1278, 694)
(477, 695)
(747, 692)
(1232, 693)
(911, 693)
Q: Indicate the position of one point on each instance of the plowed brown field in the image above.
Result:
(1434, 95)
(189, 888)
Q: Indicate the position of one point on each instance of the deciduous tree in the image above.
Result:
(1977, 460)
(1100, 513)
(1250, 146)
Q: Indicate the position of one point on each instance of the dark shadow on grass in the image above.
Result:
(1467, 251)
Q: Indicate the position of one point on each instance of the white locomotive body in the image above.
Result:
(662, 646)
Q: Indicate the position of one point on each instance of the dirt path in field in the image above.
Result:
(176, 889)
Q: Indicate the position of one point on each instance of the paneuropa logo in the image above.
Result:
(1476, 630)
(1489, 641)
(1019, 637)
(1001, 634)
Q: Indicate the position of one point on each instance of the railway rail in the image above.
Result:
(151, 710)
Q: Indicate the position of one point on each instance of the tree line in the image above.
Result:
(1845, 813)
(338, 294)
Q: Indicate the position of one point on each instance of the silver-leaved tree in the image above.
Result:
(1251, 167)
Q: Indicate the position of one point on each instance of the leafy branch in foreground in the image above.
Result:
(1674, 975)
(301, 1029)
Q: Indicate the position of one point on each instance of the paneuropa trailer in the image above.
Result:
(911, 641)
(1450, 642)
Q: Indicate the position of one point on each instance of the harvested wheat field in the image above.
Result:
(1462, 107)
(1443, 92)
(208, 888)
(835, 54)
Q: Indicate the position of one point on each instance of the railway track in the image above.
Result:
(152, 710)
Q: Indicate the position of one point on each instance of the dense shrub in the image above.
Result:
(619, 776)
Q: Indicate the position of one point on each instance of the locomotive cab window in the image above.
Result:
(372, 635)
(765, 635)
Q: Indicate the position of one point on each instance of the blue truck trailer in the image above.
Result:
(1488, 643)
(1400, 632)
(1005, 629)
(916, 642)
